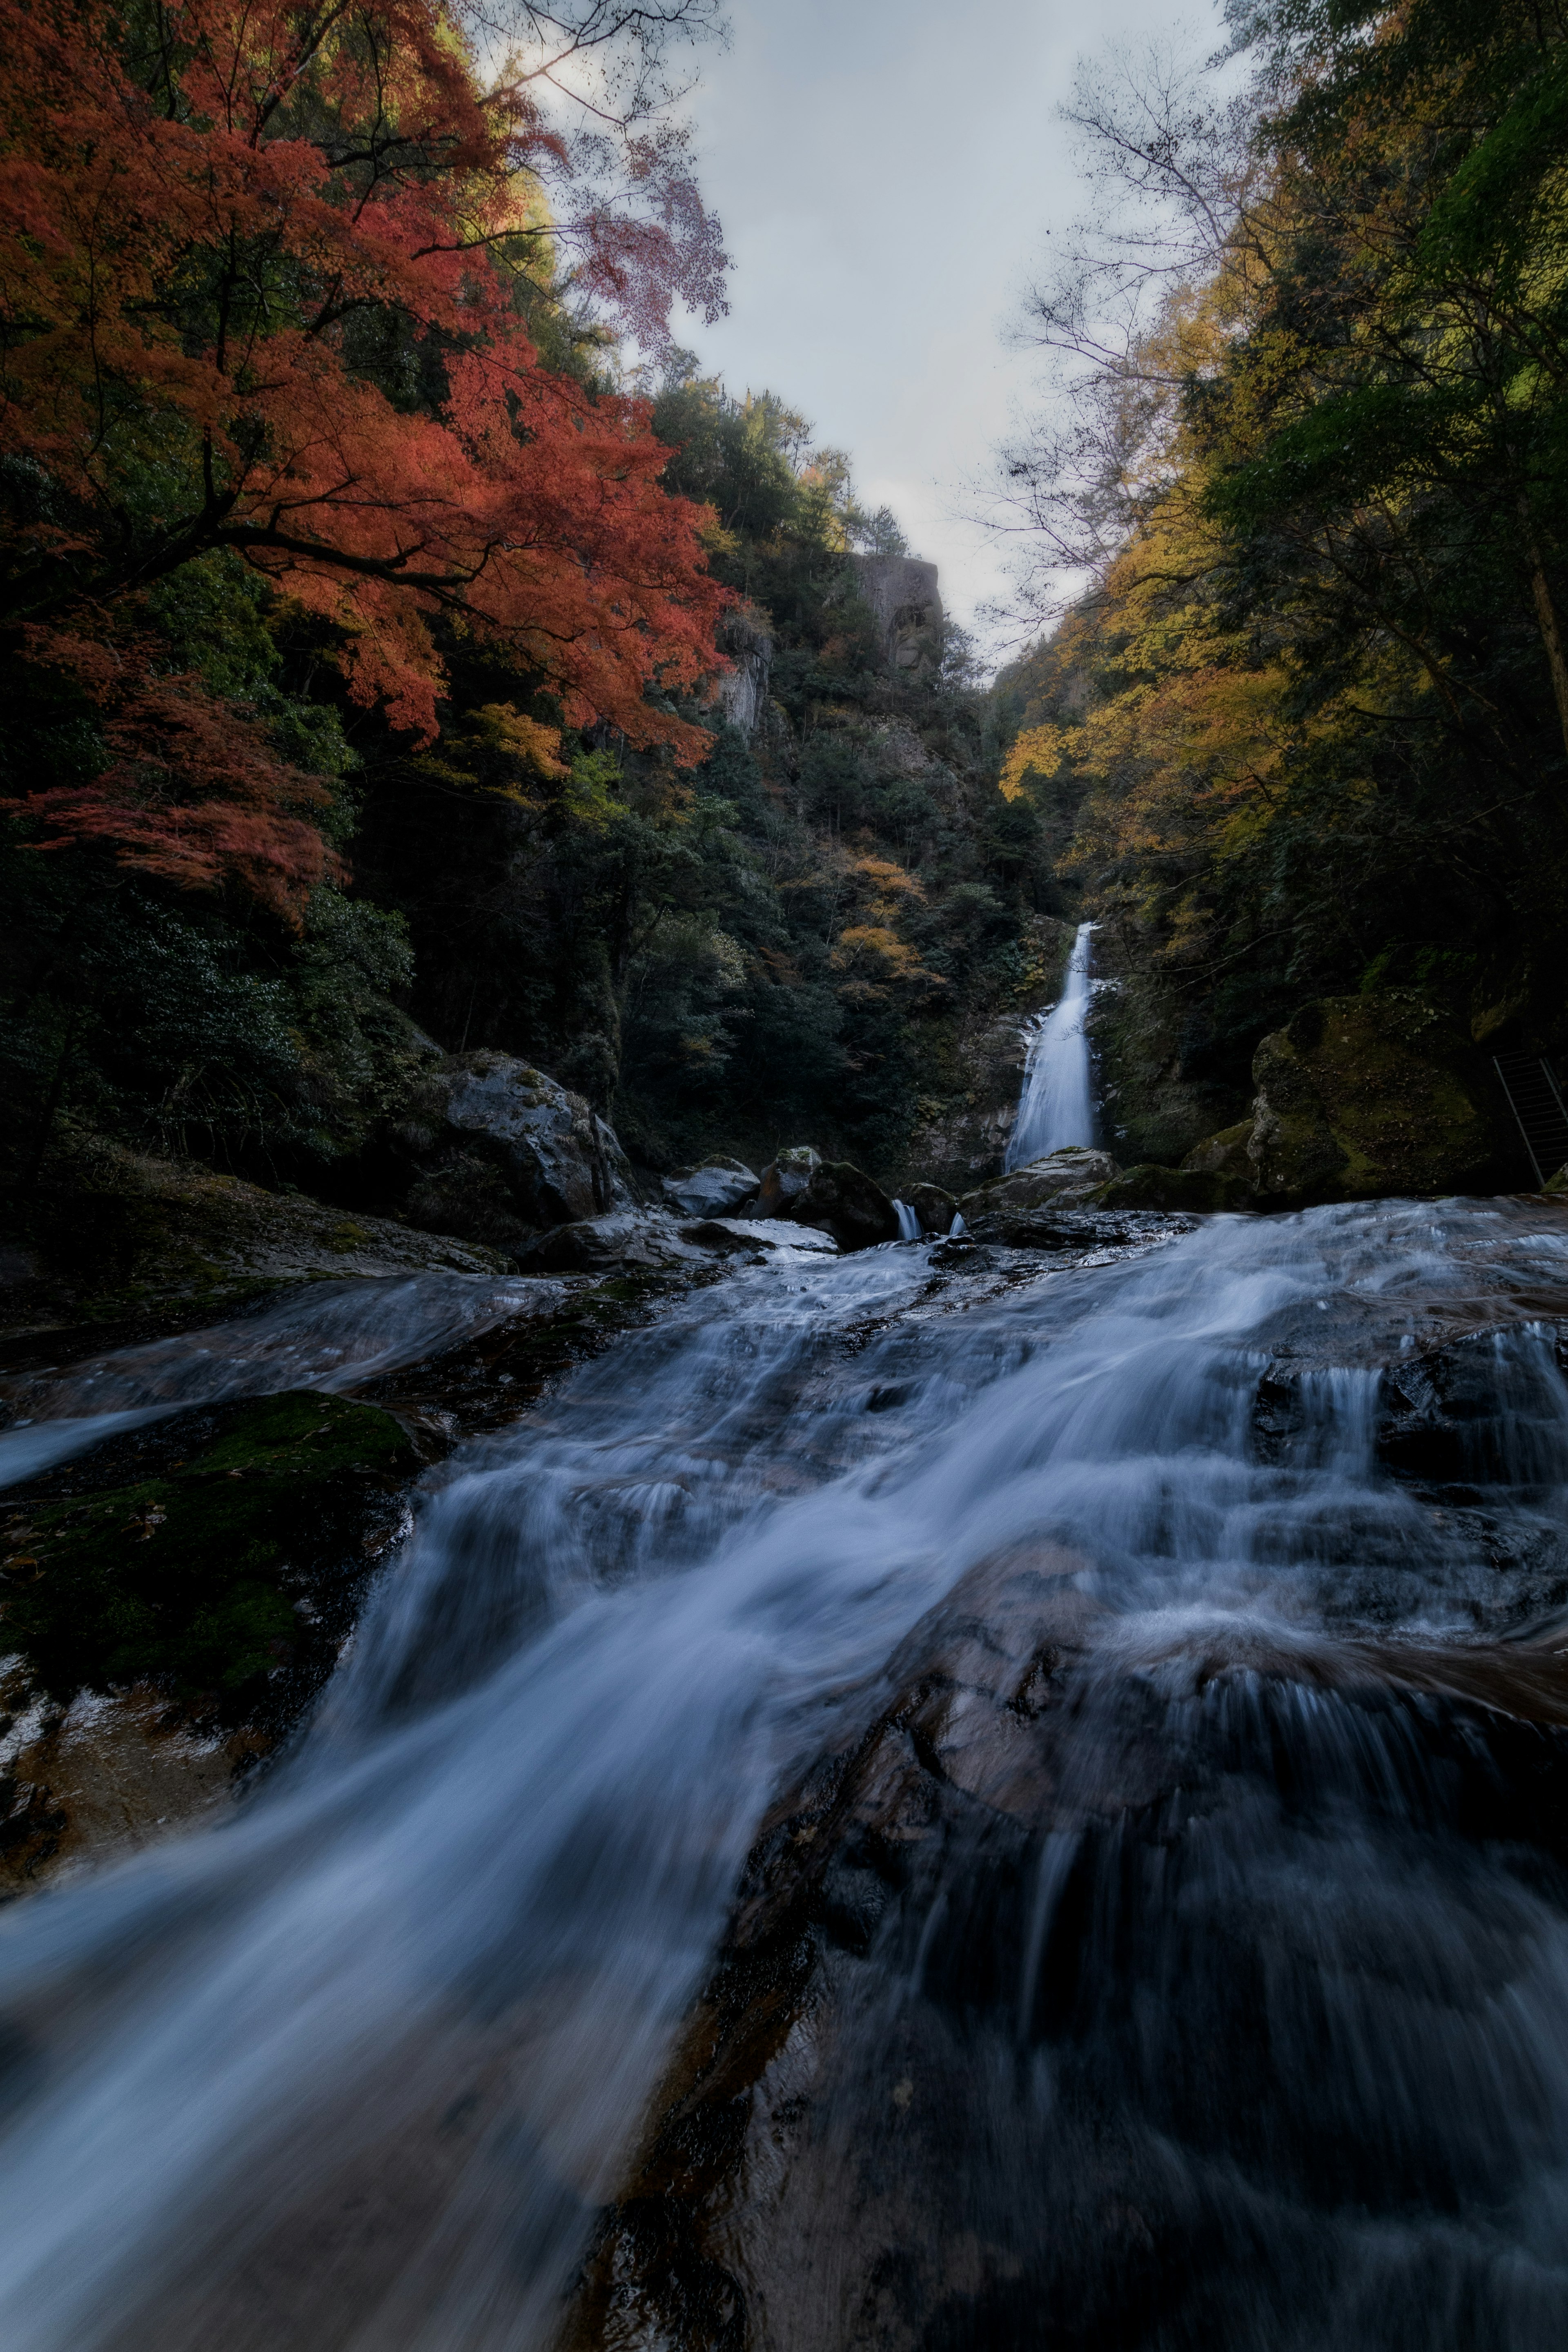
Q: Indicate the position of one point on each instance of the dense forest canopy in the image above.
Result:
(1308, 722)
(373, 608)
(365, 613)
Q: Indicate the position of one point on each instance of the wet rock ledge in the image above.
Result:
(173, 1602)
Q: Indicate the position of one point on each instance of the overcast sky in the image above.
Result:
(886, 171)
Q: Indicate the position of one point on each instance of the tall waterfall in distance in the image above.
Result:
(1058, 1107)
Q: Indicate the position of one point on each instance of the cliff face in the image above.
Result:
(1160, 1086)
(905, 600)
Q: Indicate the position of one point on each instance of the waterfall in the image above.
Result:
(1212, 1997)
(1057, 1107)
(910, 1226)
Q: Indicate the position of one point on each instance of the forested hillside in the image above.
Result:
(783, 940)
(367, 619)
(1304, 733)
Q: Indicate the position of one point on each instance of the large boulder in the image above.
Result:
(1072, 1173)
(845, 1202)
(1367, 1097)
(786, 1179)
(116, 1235)
(935, 1209)
(627, 1239)
(1223, 1154)
(494, 1151)
(715, 1190)
(1150, 1186)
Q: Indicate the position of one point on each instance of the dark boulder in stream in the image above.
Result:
(493, 1149)
(597, 1244)
(717, 1188)
(935, 1209)
(846, 1202)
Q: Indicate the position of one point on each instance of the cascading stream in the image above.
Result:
(1056, 1108)
(1241, 1981)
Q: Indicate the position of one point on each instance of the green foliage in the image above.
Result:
(178, 1020)
(187, 1580)
(1309, 734)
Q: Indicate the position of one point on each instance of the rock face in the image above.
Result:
(715, 1190)
(1364, 1098)
(124, 1235)
(846, 1202)
(935, 1209)
(786, 1179)
(742, 694)
(902, 592)
(1190, 1189)
(496, 1150)
(1070, 1174)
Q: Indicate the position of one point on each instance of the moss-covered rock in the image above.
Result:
(1365, 1097)
(786, 1179)
(216, 1557)
(1072, 1172)
(1197, 1190)
(1166, 1079)
(117, 1236)
(1225, 1154)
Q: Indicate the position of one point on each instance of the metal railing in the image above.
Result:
(1536, 1101)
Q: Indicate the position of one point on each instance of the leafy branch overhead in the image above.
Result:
(265, 284)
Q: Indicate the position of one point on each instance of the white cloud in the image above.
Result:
(886, 171)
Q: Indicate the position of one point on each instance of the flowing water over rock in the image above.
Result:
(1058, 1106)
(941, 1799)
(331, 1336)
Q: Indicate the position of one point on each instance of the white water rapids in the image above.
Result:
(354, 2073)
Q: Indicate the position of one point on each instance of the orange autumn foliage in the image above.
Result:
(194, 792)
(260, 273)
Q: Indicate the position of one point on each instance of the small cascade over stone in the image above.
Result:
(910, 1226)
(1058, 1103)
(1037, 1779)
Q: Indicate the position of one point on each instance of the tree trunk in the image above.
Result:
(1546, 615)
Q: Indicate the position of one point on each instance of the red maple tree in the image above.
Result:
(263, 271)
(194, 792)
